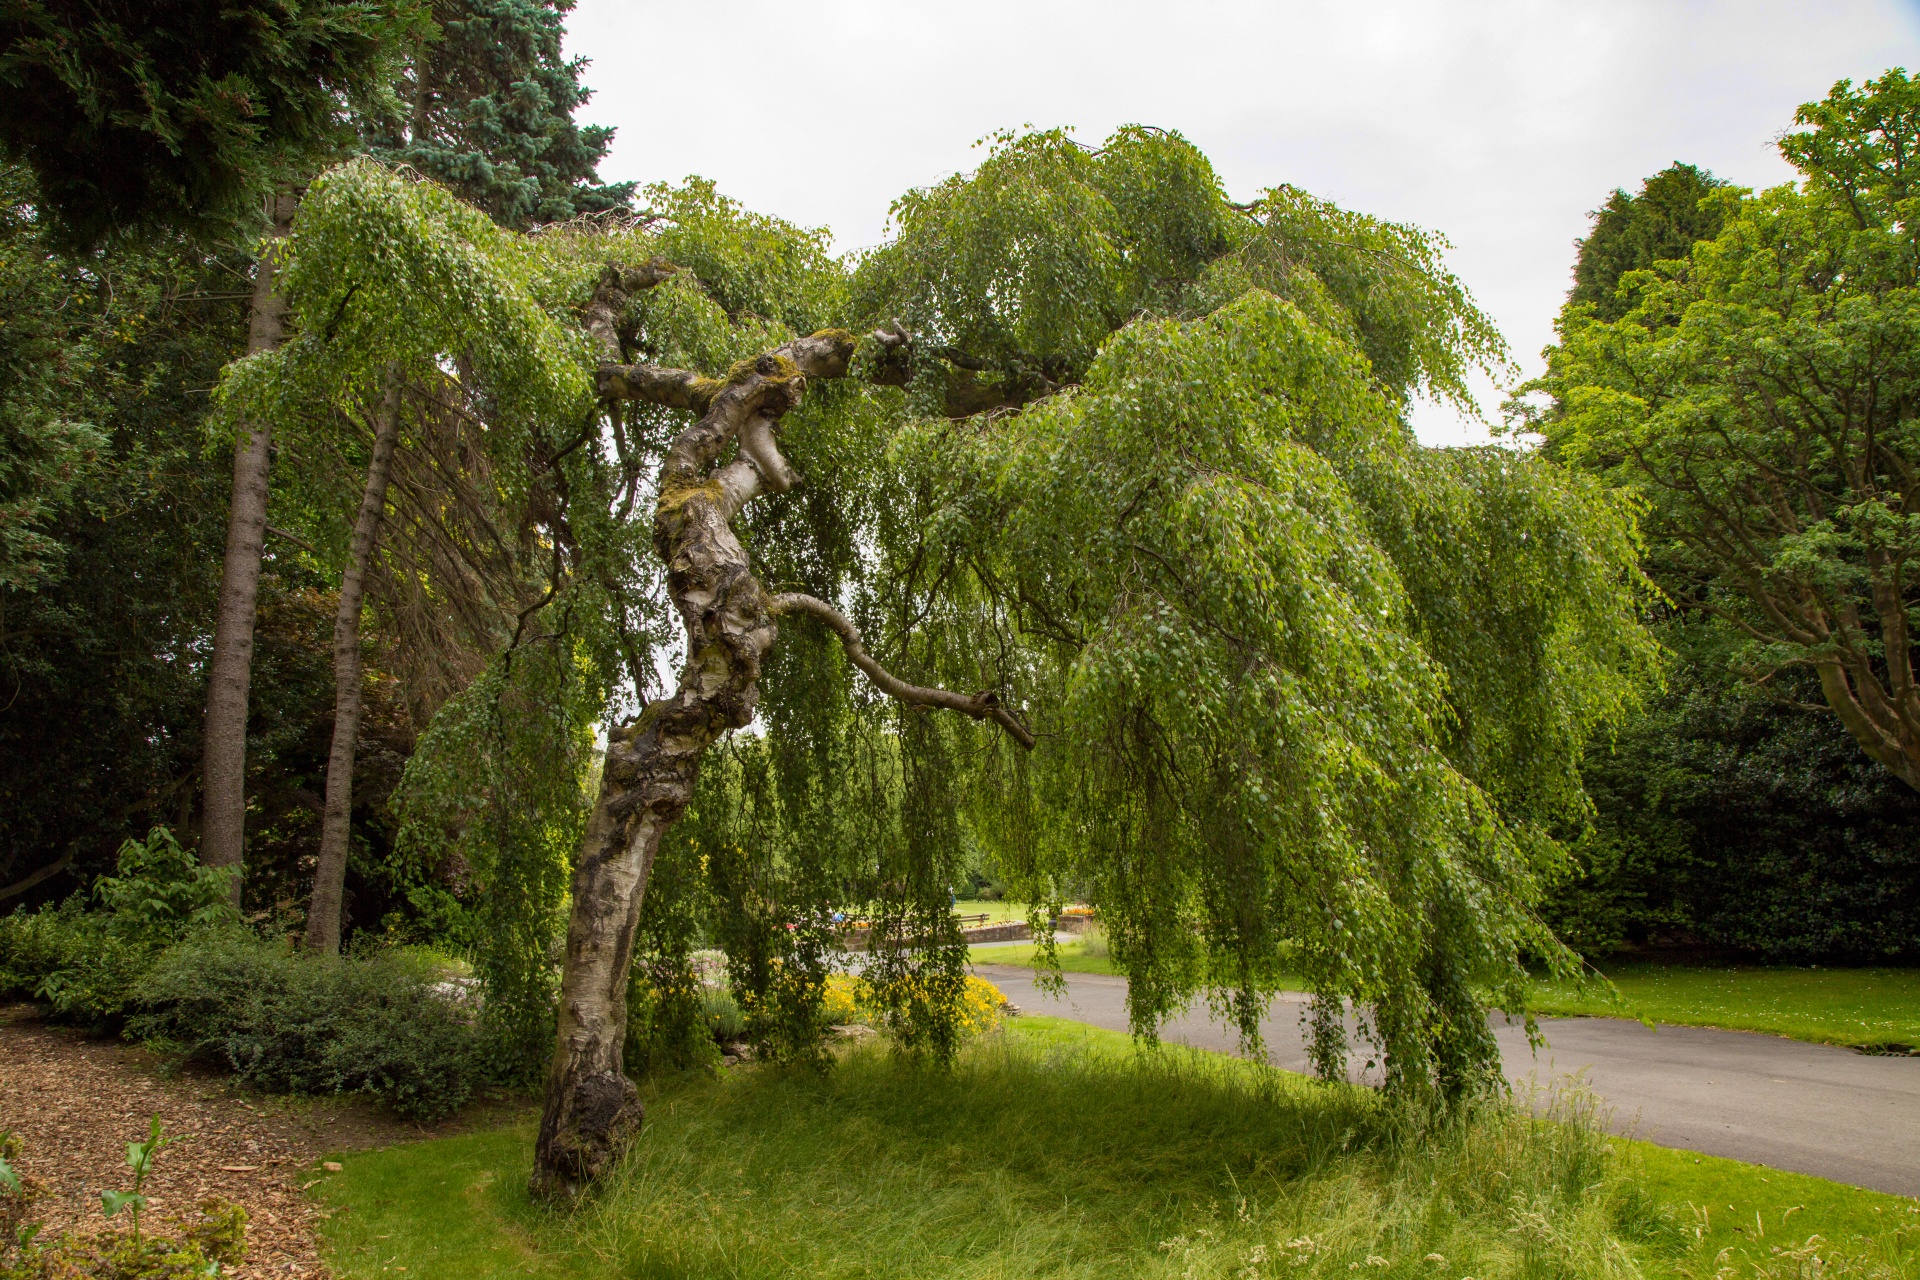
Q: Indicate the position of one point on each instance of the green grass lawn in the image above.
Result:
(995, 912)
(1829, 1006)
(1057, 1150)
(1085, 954)
(1834, 1006)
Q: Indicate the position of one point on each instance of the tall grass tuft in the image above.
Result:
(1029, 1160)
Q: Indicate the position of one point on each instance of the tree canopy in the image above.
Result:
(1758, 395)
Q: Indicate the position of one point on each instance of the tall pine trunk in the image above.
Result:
(223, 760)
(330, 874)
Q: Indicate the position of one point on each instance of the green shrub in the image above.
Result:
(162, 891)
(85, 965)
(76, 962)
(285, 1021)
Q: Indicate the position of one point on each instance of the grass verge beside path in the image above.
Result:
(996, 912)
(1877, 1008)
(1057, 1150)
(1082, 955)
(1831, 1006)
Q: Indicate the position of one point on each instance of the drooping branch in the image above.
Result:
(985, 705)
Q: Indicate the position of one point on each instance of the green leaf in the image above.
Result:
(112, 1202)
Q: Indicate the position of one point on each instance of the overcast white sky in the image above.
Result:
(1500, 123)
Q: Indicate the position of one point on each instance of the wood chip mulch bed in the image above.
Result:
(77, 1100)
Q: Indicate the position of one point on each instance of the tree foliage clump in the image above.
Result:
(1724, 819)
(141, 117)
(1759, 397)
(1670, 214)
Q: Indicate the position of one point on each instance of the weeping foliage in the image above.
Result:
(1026, 265)
(1309, 697)
(508, 617)
(1308, 693)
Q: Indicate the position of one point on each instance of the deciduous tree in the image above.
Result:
(1760, 396)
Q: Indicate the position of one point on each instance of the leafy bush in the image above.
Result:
(850, 1000)
(162, 891)
(85, 965)
(1727, 820)
(74, 961)
(383, 1023)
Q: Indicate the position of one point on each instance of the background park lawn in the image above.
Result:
(1058, 1150)
(1085, 954)
(1870, 1007)
(1833, 1006)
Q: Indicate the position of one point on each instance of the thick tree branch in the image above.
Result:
(617, 285)
(47, 872)
(985, 705)
(674, 388)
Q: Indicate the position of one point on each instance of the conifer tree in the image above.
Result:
(488, 113)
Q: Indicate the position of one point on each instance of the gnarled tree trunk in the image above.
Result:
(330, 872)
(651, 767)
(223, 750)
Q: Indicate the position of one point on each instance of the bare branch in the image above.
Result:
(985, 705)
(601, 316)
(674, 388)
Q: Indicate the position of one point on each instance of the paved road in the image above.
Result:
(1811, 1108)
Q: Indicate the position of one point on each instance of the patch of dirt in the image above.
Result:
(77, 1100)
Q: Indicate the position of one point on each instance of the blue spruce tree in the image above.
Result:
(486, 108)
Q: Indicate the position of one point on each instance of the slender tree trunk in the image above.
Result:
(330, 874)
(223, 761)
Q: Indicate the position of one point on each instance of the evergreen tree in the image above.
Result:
(1631, 233)
(487, 110)
(142, 117)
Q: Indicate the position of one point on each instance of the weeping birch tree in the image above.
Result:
(1081, 520)
(1101, 527)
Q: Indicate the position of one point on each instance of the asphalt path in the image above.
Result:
(1809, 1108)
